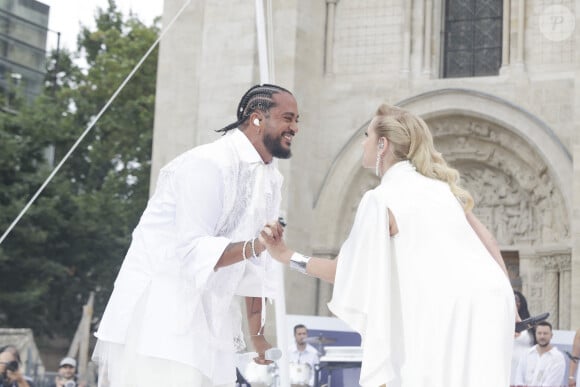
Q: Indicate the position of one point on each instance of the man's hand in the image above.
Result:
(260, 346)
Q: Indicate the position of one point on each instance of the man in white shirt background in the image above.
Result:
(195, 249)
(303, 357)
(543, 365)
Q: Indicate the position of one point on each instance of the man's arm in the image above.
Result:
(236, 251)
(254, 312)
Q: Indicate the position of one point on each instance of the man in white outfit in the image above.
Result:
(303, 357)
(172, 319)
(543, 365)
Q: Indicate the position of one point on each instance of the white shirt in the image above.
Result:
(537, 370)
(206, 198)
(522, 345)
(308, 356)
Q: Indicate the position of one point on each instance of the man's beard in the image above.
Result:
(274, 146)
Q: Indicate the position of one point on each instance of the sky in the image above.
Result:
(66, 16)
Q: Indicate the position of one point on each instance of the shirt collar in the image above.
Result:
(246, 150)
(551, 351)
(399, 167)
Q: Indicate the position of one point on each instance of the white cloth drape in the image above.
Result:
(432, 306)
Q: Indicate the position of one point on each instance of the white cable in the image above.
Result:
(92, 124)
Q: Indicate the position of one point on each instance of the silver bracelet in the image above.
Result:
(254, 248)
(298, 262)
(244, 250)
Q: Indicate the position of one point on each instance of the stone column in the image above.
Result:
(551, 289)
(406, 65)
(505, 40)
(427, 38)
(521, 34)
(330, 18)
(565, 266)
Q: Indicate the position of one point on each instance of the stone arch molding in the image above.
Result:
(516, 168)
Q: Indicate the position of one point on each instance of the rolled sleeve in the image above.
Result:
(199, 190)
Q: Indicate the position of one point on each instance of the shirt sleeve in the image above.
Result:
(555, 373)
(199, 190)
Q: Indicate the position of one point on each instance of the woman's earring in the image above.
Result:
(378, 165)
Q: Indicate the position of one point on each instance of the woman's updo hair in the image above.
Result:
(411, 140)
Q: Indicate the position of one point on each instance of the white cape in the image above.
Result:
(432, 306)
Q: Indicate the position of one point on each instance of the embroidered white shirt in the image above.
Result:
(546, 370)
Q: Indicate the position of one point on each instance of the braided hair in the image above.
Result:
(258, 97)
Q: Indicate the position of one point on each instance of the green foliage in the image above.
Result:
(73, 239)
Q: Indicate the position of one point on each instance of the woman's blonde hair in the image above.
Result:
(411, 140)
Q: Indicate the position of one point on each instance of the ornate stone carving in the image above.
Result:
(551, 263)
(512, 189)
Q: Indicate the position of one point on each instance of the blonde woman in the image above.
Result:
(419, 277)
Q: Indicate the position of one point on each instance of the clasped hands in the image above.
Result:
(272, 236)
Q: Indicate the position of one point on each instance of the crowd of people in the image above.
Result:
(12, 371)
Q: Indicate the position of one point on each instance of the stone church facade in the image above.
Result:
(496, 81)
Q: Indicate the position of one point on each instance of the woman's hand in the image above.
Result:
(272, 236)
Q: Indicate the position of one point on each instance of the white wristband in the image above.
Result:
(298, 262)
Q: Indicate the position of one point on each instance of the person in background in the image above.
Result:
(67, 377)
(543, 365)
(301, 353)
(11, 374)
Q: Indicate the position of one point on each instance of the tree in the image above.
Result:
(73, 239)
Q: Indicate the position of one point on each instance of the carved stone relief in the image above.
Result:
(509, 182)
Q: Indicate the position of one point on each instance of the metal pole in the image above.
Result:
(262, 44)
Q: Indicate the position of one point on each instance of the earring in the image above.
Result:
(378, 165)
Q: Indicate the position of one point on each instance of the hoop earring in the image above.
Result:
(378, 165)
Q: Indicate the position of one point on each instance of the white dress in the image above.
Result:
(169, 309)
(431, 304)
